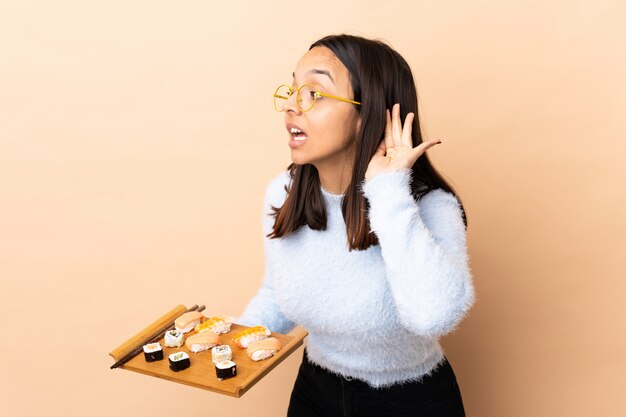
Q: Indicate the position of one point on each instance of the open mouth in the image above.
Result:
(297, 134)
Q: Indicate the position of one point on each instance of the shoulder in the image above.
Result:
(275, 192)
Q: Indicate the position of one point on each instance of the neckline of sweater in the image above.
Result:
(331, 195)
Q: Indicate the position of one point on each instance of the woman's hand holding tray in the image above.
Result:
(201, 373)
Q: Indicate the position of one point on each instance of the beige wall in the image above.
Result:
(136, 140)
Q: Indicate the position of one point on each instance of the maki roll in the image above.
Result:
(225, 369)
(179, 361)
(174, 338)
(221, 353)
(153, 352)
(217, 325)
(245, 337)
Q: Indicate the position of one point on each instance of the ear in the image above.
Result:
(358, 125)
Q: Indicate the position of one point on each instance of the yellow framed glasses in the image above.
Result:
(306, 97)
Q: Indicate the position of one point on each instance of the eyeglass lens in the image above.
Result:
(305, 99)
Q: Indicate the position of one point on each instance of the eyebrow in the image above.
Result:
(318, 71)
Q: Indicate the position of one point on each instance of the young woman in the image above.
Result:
(365, 242)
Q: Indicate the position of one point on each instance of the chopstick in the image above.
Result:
(155, 337)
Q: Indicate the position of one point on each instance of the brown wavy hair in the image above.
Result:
(379, 77)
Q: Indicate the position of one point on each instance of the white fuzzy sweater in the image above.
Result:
(375, 315)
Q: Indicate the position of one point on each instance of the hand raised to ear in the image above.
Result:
(396, 152)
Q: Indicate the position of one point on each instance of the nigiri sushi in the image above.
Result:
(243, 338)
(263, 349)
(202, 341)
(217, 325)
(188, 321)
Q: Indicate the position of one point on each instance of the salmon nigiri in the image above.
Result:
(263, 349)
(188, 321)
(202, 341)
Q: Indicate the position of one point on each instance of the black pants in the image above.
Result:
(319, 393)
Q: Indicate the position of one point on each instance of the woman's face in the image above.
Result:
(330, 127)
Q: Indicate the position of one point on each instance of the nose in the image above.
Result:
(290, 104)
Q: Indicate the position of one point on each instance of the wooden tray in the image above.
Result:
(201, 373)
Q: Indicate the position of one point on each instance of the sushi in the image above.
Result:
(217, 325)
(188, 321)
(243, 338)
(174, 338)
(153, 352)
(202, 341)
(225, 369)
(221, 353)
(263, 349)
(179, 361)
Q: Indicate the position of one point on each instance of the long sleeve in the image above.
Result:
(424, 250)
(262, 309)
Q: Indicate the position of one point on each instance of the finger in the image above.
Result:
(407, 129)
(388, 133)
(396, 125)
(423, 147)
